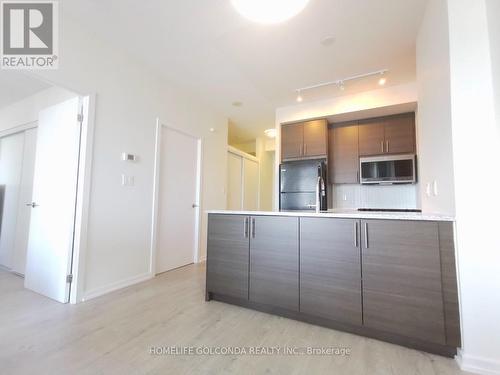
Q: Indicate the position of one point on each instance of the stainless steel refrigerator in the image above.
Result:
(300, 182)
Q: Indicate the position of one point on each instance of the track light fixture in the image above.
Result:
(340, 83)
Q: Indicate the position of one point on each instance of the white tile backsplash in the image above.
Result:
(376, 196)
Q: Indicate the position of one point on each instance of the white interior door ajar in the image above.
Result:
(50, 243)
(178, 210)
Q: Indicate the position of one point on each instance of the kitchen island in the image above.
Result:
(389, 276)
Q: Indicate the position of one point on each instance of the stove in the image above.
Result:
(388, 210)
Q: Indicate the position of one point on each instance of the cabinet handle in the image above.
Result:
(387, 146)
(253, 227)
(245, 229)
(382, 146)
(356, 234)
(367, 243)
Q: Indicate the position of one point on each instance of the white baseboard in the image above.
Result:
(116, 286)
(477, 365)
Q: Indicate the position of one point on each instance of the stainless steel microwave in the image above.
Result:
(390, 169)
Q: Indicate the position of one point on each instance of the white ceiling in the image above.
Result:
(205, 46)
(15, 86)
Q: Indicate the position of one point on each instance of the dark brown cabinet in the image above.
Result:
(274, 261)
(304, 140)
(400, 134)
(292, 141)
(402, 287)
(371, 137)
(388, 135)
(344, 155)
(227, 255)
(330, 269)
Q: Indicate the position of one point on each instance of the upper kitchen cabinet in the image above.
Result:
(371, 137)
(315, 138)
(400, 134)
(304, 140)
(292, 141)
(344, 155)
(388, 135)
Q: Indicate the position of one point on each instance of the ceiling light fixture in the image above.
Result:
(340, 83)
(271, 133)
(269, 11)
(299, 97)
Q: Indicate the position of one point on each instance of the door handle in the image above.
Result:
(245, 228)
(356, 234)
(382, 146)
(32, 205)
(367, 243)
(195, 205)
(253, 227)
(387, 146)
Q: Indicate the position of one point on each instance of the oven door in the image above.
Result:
(394, 169)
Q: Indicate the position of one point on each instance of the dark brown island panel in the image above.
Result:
(393, 280)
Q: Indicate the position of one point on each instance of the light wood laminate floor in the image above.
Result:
(113, 335)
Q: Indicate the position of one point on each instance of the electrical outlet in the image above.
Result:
(128, 180)
(428, 189)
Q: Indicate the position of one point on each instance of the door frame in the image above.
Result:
(160, 127)
(82, 191)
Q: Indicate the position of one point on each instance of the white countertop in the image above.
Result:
(345, 214)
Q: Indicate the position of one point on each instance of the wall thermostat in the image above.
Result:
(129, 157)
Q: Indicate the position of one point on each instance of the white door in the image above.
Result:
(25, 195)
(234, 181)
(50, 244)
(178, 209)
(251, 184)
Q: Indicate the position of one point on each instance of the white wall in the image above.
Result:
(475, 155)
(266, 159)
(434, 114)
(129, 99)
(380, 98)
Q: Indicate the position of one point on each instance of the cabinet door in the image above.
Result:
(402, 291)
(371, 137)
(315, 138)
(330, 269)
(400, 134)
(228, 255)
(344, 155)
(274, 261)
(292, 141)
